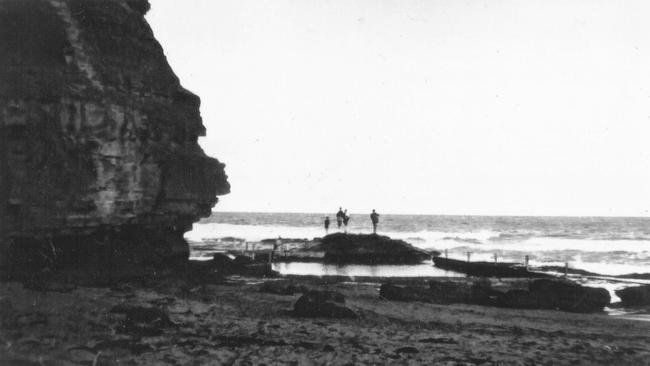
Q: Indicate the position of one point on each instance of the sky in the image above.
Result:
(459, 107)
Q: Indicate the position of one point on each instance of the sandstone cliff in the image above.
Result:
(98, 140)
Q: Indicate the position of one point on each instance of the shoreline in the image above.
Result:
(513, 270)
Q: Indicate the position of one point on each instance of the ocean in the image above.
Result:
(605, 245)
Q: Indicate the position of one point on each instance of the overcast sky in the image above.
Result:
(441, 107)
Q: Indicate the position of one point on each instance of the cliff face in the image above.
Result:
(98, 140)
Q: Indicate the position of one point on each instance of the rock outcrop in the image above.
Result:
(487, 269)
(369, 249)
(635, 296)
(322, 304)
(557, 294)
(98, 140)
(551, 294)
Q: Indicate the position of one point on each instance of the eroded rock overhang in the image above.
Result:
(99, 158)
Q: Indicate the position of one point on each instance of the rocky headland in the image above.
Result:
(99, 159)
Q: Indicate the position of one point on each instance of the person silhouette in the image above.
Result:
(339, 218)
(374, 217)
(327, 224)
(346, 219)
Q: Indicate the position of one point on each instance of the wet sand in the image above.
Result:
(234, 324)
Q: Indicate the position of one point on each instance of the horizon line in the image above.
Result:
(430, 214)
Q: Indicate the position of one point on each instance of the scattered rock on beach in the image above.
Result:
(634, 296)
(327, 304)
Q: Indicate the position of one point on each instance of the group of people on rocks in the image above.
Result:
(342, 218)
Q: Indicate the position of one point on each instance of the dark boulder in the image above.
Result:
(222, 264)
(369, 249)
(569, 296)
(541, 294)
(557, 294)
(326, 304)
(635, 296)
(222, 260)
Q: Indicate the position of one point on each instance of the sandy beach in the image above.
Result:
(233, 323)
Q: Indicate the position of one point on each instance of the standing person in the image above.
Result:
(276, 246)
(339, 218)
(374, 217)
(346, 219)
(327, 224)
